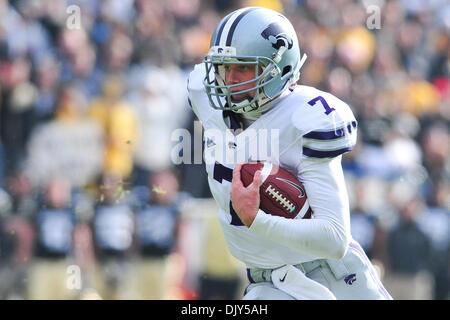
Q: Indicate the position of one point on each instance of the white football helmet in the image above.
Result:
(254, 36)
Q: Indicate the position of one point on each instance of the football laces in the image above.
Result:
(279, 198)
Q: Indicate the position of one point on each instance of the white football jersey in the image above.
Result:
(305, 123)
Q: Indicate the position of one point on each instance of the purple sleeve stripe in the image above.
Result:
(333, 134)
(325, 135)
(324, 154)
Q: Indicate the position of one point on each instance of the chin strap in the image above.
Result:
(255, 114)
(279, 54)
(302, 60)
(300, 64)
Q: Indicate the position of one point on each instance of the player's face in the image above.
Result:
(238, 73)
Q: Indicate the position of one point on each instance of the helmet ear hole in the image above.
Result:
(286, 70)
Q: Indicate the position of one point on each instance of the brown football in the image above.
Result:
(281, 193)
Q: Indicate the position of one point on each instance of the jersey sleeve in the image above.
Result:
(328, 129)
(326, 235)
(327, 125)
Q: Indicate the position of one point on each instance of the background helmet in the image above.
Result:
(254, 36)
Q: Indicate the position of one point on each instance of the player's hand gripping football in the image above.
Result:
(245, 200)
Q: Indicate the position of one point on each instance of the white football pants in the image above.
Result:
(351, 278)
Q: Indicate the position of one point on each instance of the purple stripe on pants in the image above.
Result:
(358, 248)
(249, 276)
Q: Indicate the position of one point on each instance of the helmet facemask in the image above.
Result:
(221, 94)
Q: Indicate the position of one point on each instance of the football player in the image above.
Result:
(246, 89)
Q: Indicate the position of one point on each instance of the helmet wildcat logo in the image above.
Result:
(274, 33)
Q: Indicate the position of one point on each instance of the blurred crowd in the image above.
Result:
(92, 205)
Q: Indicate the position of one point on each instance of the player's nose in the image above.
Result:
(232, 76)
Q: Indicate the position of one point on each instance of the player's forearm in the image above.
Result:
(317, 237)
(328, 233)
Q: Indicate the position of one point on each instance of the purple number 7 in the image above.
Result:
(328, 109)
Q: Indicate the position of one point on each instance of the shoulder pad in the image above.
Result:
(326, 123)
(195, 79)
(197, 98)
